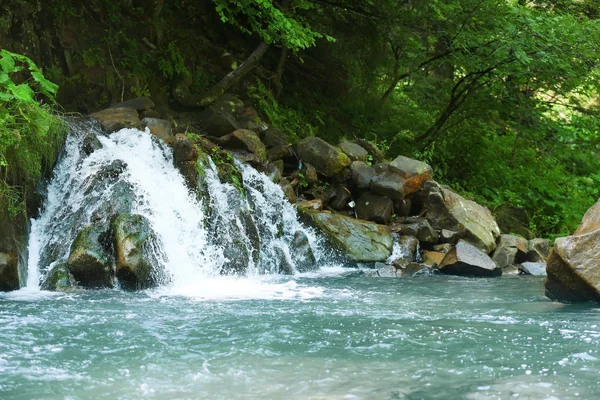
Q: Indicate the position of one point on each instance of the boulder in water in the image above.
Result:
(59, 278)
(372, 207)
(89, 261)
(466, 259)
(359, 241)
(115, 119)
(354, 151)
(574, 264)
(433, 258)
(9, 273)
(133, 236)
(511, 250)
(327, 159)
(448, 210)
(533, 268)
(409, 246)
(302, 253)
(414, 173)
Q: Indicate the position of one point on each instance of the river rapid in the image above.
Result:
(315, 336)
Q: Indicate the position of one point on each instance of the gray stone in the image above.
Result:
(417, 227)
(388, 184)
(539, 250)
(354, 151)
(511, 250)
(279, 153)
(273, 137)
(362, 174)
(339, 196)
(160, 128)
(327, 159)
(372, 149)
(533, 268)
(138, 104)
(302, 253)
(466, 259)
(372, 207)
(414, 173)
(115, 119)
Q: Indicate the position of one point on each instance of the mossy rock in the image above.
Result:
(327, 159)
(89, 261)
(59, 278)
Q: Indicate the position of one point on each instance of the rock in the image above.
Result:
(115, 119)
(310, 174)
(339, 196)
(149, 114)
(386, 271)
(59, 278)
(219, 119)
(410, 248)
(413, 269)
(273, 173)
(402, 208)
(372, 207)
(443, 248)
(139, 104)
(388, 184)
(448, 210)
(279, 153)
(539, 250)
(466, 259)
(246, 140)
(133, 236)
(353, 151)
(160, 128)
(314, 205)
(414, 173)
(9, 273)
(372, 149)
(288, 190)
(574, 265)
(302, 253)
(448, 236)
(327, 159)
(382, 167)
(248, 119)
(359, 241)
(285, 266)
(273, 137)
(511, 250)
(433, 258)
(183, 149)
(513, 220)
(89, 262)
(417, 227)
(533, 268)
(362, 174)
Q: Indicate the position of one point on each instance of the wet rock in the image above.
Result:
(139, 104)
(417, 227)
(310, 174)
(410, 248)
(160, 128)
(302, 253)
(362, 174)
(448, 210)
(386, 271)
(288, 190)
(574, 265)
(133, 237)
(443, 248)
(414, 269)
(285, 266)
(354, 151)
(513, 220)
(359, 241)
(327, 159)
(414, 173)
(511, 250)
(448, 236)
(273, 173)
(115, 119)
(89, 261)
(245, 139)
(388, 184)
(59, 278)
(339, 196)
(372, 207)
(372, 149)
(183, 149)
(279, 153)
(433, 258)
(466, 259)
(539, 250)
(314, 205)
(273, 137)
(9, 273)
(533, 268)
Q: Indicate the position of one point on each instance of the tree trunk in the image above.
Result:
(181, 90)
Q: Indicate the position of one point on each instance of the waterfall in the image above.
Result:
(197, 236)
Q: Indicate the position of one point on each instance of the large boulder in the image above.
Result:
(132, 240)
(245, 139)
(115, 119)
(302, 253)
(372, 207)
(185, 156)
(354, 151)
(338, 196)
(362, 174)
(574, 265)
(389, 184)
(466, 259)
(358, 240)
(511, 250)
(448, 210)
(414, 173)
(9, 273)
(273, 137)
(327, 159)
(89, 261)
(59, 278)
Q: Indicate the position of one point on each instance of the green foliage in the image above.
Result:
(171, 62)
(29, 132)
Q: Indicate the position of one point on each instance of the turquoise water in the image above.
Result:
(321, 337)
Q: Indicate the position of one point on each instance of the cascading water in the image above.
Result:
(197, 237)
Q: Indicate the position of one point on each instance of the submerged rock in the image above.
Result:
(133, 236)
(448, 210)
(360, 241)
(466, 259)
(89, 262)
(574, 264)
(327, 159)
(9, 273)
